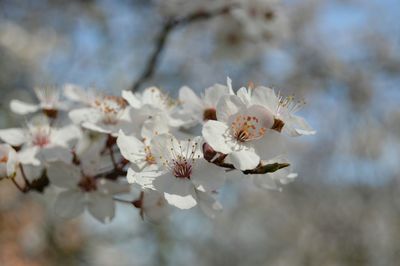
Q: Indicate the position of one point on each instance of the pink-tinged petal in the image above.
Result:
(23, 108)
(13, 136)
(131, 148)
(244, 160)
(63, 175)
(217, 135)
(227, 106)
(101, 206)
(208, 204)
(208, 175)
(266, 118)
(181, 202)
(70, 204)
(132, 99)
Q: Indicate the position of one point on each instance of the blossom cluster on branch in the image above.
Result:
(94, 146)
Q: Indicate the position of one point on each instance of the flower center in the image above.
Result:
(48, 97)
(4, 159)
(112, 108)
(245, 128)
(182, 169)
(288, 105)
(41, 136)
(88, 184)
(210, 114)
(278, 125)
(179, 157)
(150, 159)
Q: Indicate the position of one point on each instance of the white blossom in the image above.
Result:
(40, 142)
(243, 132)
(49, 103)
(284, 110)
(201, 109)
(82, 188)
(181, 171)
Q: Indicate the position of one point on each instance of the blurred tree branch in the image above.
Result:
(161, 40)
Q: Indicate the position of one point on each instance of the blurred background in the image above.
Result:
(341, 56)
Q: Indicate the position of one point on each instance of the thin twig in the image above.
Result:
(23, 190)
(162, 38)
(27, 183)
(122, 200)
(114, 162)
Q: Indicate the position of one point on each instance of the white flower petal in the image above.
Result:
(144, 179)
(228, 106)
(154, 205)
(67, 136)
(70, 204)
(181, 202)
(132, 99)
(131, 148)
(63, 175)
(214, 93)
(217, 135)
(75, 93)
(270, 145)
(245, 95)
(208, 204)
(81, 115)
(12, 163)
(266, 97)
(13, 136)
(244, 159)
(23, 108)
(28, 155)
(297, 126)
(208, 175)
(154, 126)
(101, 206)
(190, 101)
(55, 153)
(172, 185)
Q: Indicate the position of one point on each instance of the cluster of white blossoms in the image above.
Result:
(136, 148)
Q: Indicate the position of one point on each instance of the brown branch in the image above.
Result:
(218, 159)
(162, 39)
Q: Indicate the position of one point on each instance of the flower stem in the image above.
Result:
(123, 200)
(18, 186)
